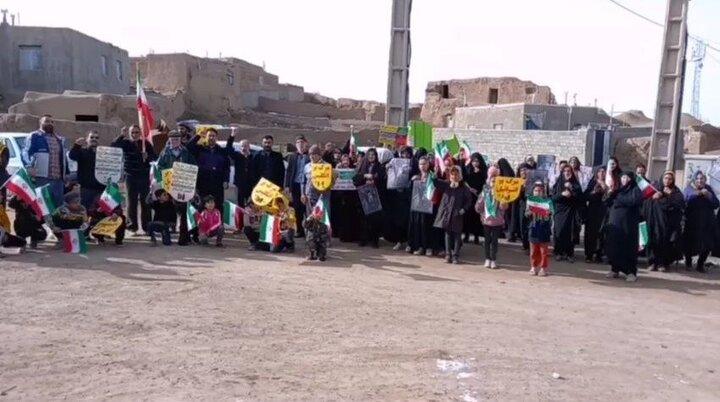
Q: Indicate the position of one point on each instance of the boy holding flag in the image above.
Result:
(539, 209)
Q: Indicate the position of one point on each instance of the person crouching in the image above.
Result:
(210, 223)
(164, 216)
(317, 237)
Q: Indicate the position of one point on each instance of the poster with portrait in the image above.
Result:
(420, 202)
(369, 198)
(546, 163)
(398, 173)
(534, 176)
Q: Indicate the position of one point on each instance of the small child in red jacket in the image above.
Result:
(210, 223)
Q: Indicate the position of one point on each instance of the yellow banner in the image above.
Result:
(321, 176)
(107, 227)
(266, 194)
(507, 189)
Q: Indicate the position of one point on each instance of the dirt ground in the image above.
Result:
(171, 323)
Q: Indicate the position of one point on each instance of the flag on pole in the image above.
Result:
(430, 186)
(232, 216)
(540, 207)
(191, 214)
(643, 236)
(647, 189)
(44, 204)
(322, 210)
(110, 199)
(23, 187)
(270, 230)
(145, 116)
(441, 151)
(74, 241)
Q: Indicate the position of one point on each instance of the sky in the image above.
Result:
(340, 48)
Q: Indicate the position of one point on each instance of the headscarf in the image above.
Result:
(505, 169)
(493, 171)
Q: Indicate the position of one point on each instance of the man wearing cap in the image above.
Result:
(175, 151)
(295, 178)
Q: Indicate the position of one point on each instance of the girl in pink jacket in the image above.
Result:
(492, 215)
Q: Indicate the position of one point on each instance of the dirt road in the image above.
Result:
(141, 323)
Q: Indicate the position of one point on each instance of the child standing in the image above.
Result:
(164, 216)
(539, 209)
(492, 215)
(210, 223)
(456, 200)
(317, 237)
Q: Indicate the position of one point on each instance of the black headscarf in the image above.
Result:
(506, 169)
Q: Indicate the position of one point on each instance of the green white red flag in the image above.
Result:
(74, 241)
(539, 207)
(465, 152)
(270, 230)
(22, 186)
(145, 116)
(441, 151)
(643, 235)
(232, 216)
(430, 186)
(110, 199)
(44, 202)
(491, 207)
(192, 216)
(647, 189)
(322, 210)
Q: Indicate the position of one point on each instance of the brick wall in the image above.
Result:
(516, 145)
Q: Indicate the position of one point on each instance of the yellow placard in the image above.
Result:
(507, 189)
(167, 175)
(321, 175)
(265, 196)
(107, 227)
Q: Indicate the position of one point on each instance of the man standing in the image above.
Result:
(138, 154)
(44, 156)
(295, 178)
(213, 167)
(242, 161)
(177, 152)
(84, 153)
(267, 164)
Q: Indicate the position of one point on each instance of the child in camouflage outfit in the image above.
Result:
(317, 238)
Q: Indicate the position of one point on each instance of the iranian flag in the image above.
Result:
(191, 214)
(441, 152)
(22, 186)
(74, 241)
(145, 116)
(647, 189)
(44, 204)
(232, 216)
(430, 186)
(539, 207)
(110, 199)
(491, 208)
(464, 152)
(643, 236)
(156, 180)
(270, 230)
(322, 210)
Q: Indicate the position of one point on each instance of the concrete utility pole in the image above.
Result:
(396, 112)
(667, 140)
(698, 57)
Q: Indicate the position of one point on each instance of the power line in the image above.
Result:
(650, 20)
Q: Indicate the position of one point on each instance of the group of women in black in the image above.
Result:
(610, 207)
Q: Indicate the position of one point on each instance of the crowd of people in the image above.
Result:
(462, 209)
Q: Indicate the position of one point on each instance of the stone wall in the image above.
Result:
(71, 130)
(442, 97)
(515, 145)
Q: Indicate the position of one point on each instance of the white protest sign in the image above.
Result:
(108, 164)
(184, 179)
